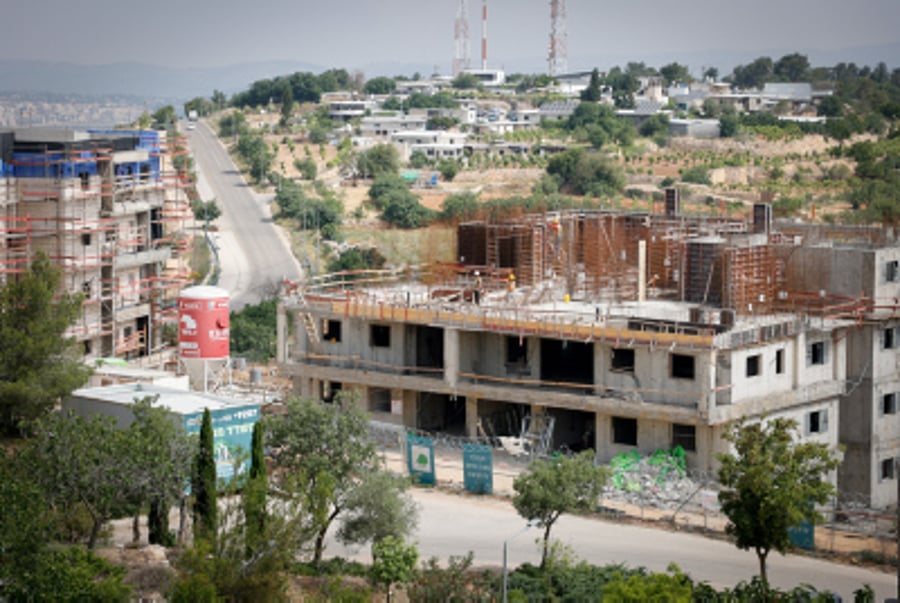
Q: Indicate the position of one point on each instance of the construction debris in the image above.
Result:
(658, 480)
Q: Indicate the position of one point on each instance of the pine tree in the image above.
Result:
(38, 365)
(203, 483)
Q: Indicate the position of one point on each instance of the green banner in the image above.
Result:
(478, 468)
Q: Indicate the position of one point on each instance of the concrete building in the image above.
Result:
(434, 144)
(232, 419)
(387, 124)
(618, 332)
(107, 207)
(853, 264)
(350, 109)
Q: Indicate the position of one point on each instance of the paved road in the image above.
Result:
(253, 253)
(452, 525)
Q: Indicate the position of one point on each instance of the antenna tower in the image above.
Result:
(558, 57)
(484, 35)
(461, 55)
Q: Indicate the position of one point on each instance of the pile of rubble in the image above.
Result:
(659, 480)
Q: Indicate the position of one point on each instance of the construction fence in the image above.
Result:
(656, 488)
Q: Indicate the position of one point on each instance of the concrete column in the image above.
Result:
(309, 388)
(602, 437)
(642, 271)
(707, 400)
(601, 364)
(409, 408)
(471, 416)
(451, 356)
(397, 404)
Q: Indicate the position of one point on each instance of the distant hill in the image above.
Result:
(138, 79)
(147, 81)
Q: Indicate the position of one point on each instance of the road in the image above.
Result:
(254, 255)
(451, 524)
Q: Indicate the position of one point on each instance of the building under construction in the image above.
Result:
(107, 207)
(622, 331)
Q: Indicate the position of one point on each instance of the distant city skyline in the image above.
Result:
(374, 36)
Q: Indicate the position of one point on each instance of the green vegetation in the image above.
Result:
(771, 483)
(549, 488)
(597, 123)
(876, 188)
(380, 85)
(203, 482)
(460, 207)
(325, 459)
(304, 87)
(357, 258)
(696, 175)
(206, 211)
(306, 167)
(256, 154)
(399, 206)
(380, 159)
(253, 331)
(38, 365)
(324, 214)
(66, 481)
(255, 495)
(393, 562)
(582, 172)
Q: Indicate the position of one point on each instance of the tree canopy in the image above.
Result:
(771, 482)
(253, 331)
(581, 173)
(378, 160)
(322, 451)
(39, 365)
(551, 487)
(380, 85)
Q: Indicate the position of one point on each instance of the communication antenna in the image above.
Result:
(484, 35)
(558, 57)
(461, 56)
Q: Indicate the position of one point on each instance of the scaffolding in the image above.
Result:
(108, 212)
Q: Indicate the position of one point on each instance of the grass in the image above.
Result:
(432, 244)
(201, 259)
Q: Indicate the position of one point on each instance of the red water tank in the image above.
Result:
(203, 330)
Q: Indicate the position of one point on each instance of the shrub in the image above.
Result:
(696, 175)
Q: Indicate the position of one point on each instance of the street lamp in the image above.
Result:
(531, 523)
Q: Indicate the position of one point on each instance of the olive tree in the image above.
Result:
(322, 452)
(551, 487)
(771, 481)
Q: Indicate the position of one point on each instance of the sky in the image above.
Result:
(358, 34)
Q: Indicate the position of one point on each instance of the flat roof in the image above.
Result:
(178, 401)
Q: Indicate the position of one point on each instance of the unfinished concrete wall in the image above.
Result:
(816, 357)
(886, 276)
(754, 372)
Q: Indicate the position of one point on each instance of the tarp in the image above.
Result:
(627, 466)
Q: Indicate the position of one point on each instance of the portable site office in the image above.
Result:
(232, 419)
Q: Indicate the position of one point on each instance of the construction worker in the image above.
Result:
(477, 288)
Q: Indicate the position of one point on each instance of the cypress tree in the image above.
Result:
(203, 483)
(255, 492)
(158, 523)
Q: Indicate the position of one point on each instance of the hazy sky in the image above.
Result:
(358, 33)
